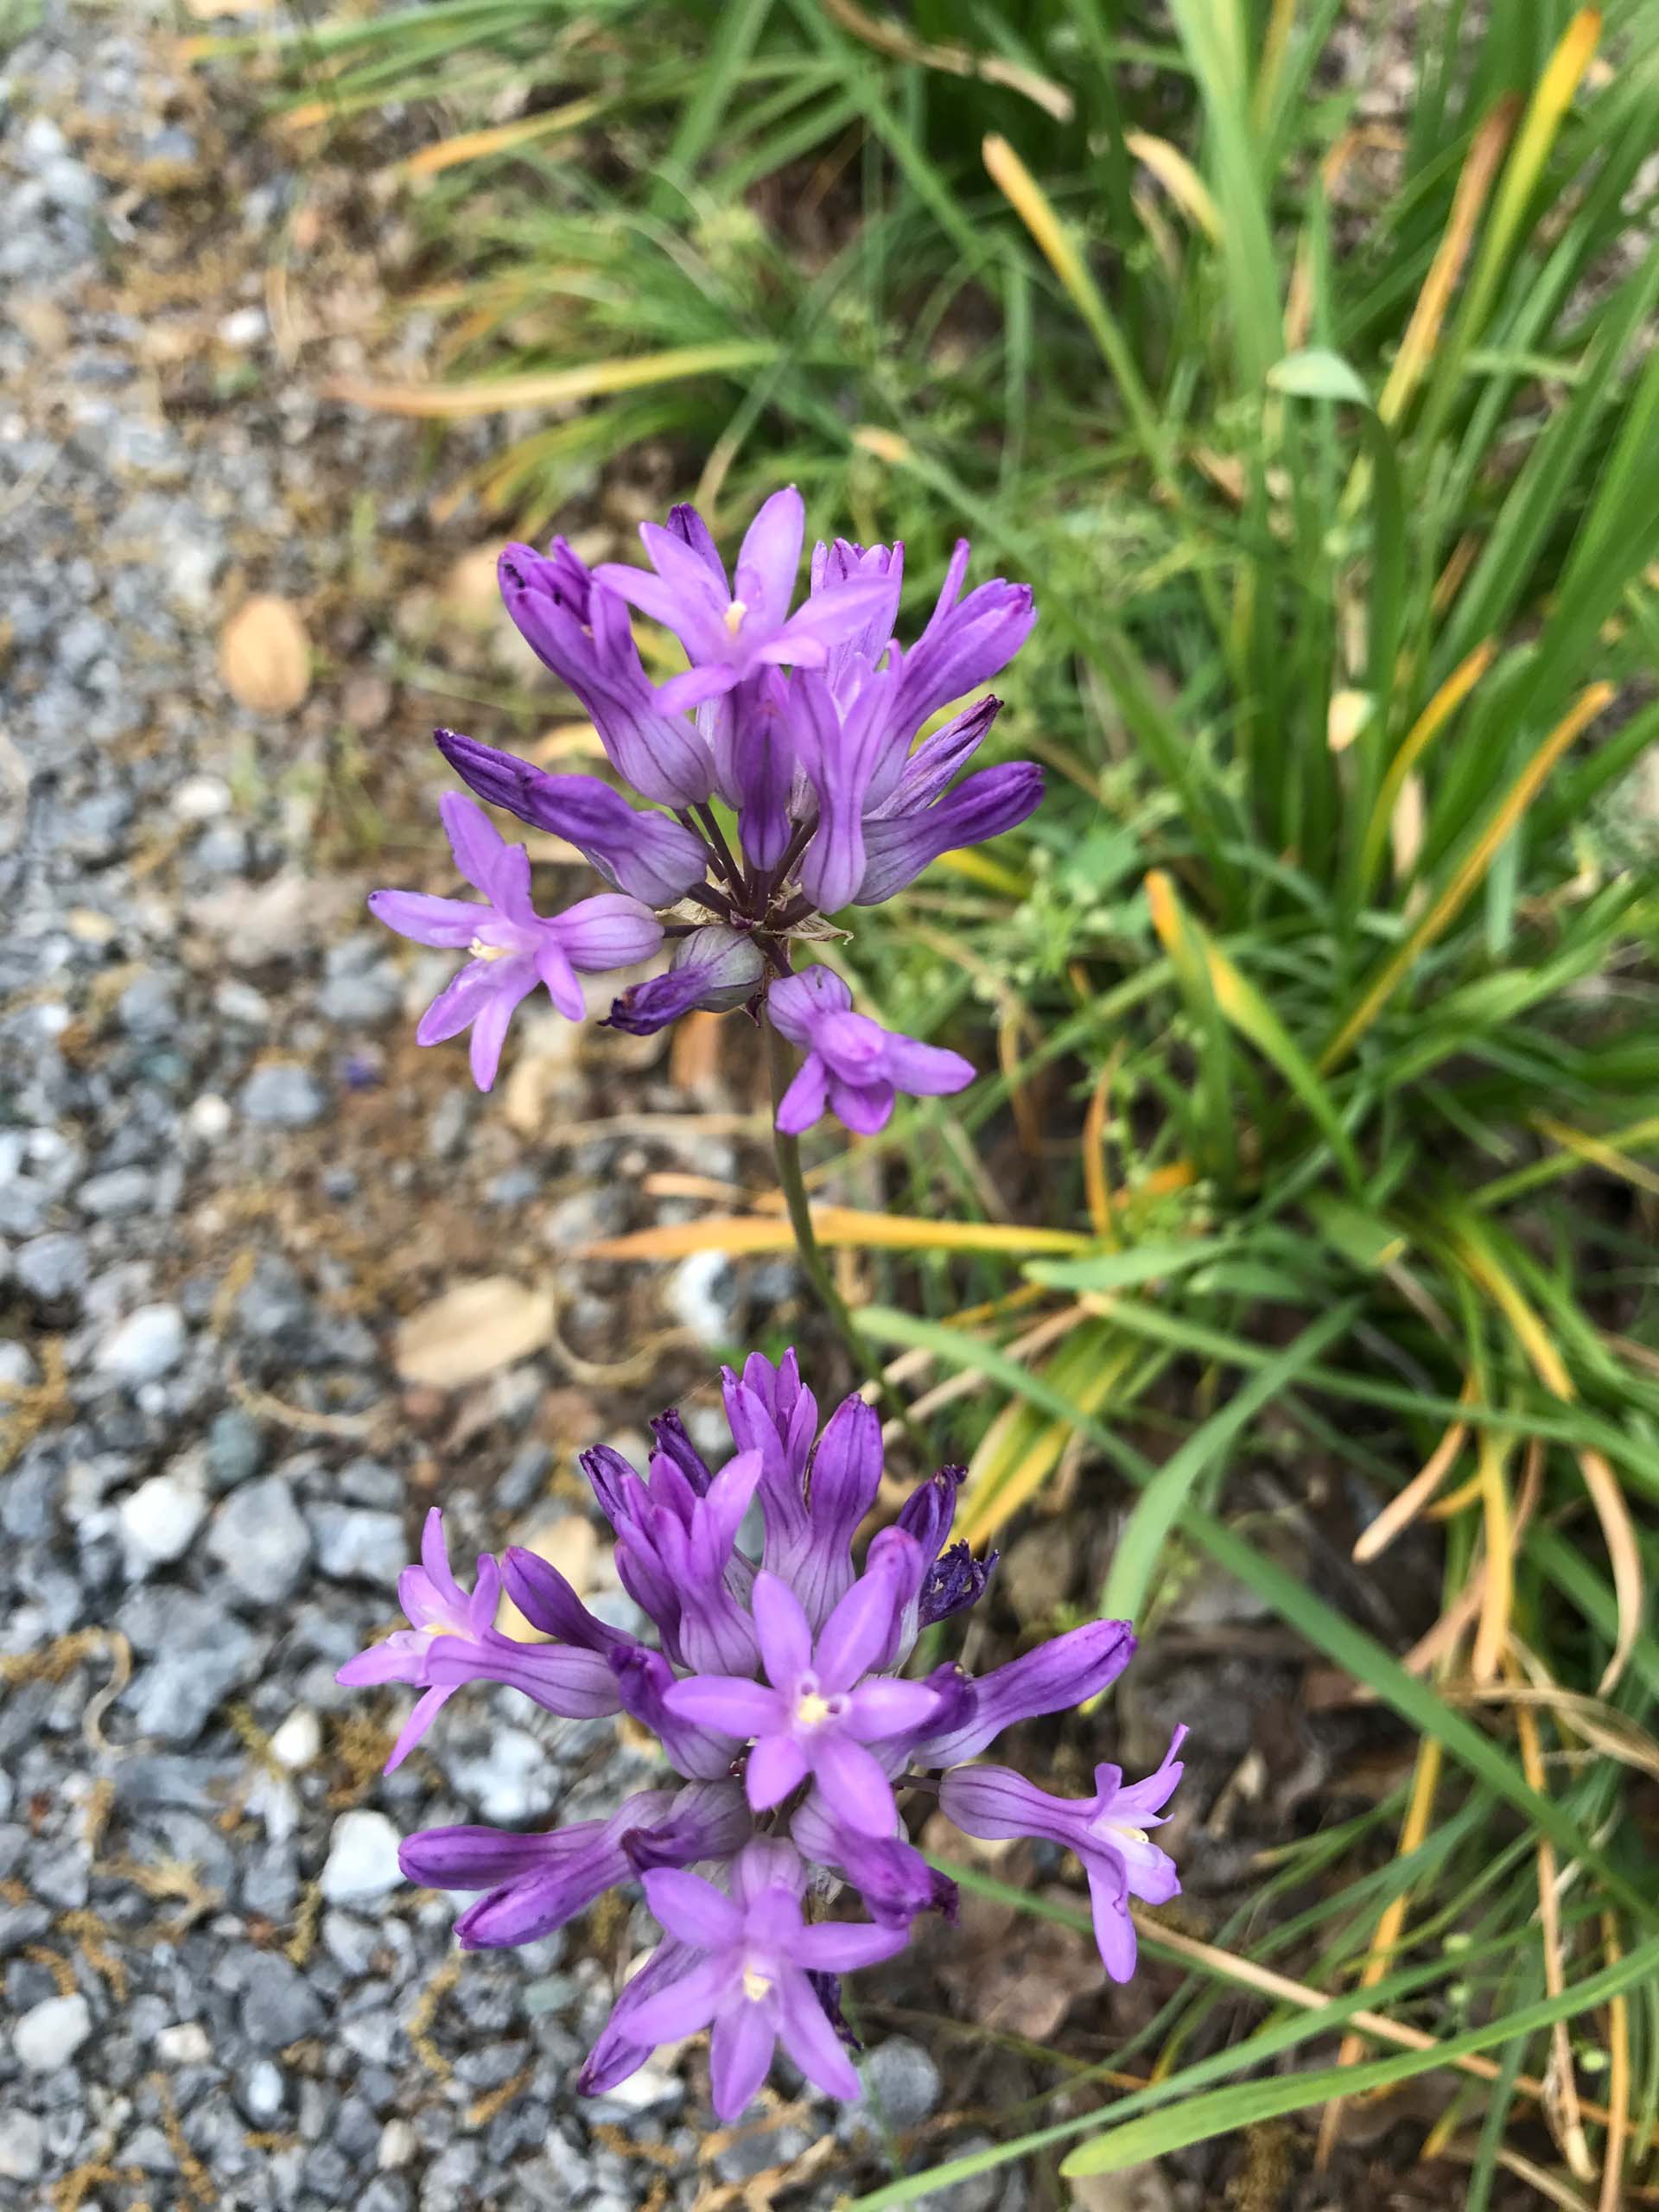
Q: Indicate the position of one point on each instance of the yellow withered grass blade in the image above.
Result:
(1450, 901)
(500, 139)
(887, 1232)
(549, 387)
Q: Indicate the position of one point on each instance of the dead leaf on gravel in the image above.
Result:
(257, 923)
(471, 1331)
(264, 655)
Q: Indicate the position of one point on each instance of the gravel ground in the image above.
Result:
(226, 1175)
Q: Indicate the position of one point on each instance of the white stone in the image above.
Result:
(299, 1739)
(362, 1863)
(209, 1117)
(147, 1345)
(50, 2033)
(187, 2044)
(22, 2147)
(242, 327)
(511, 1782)
(201, 798)
(701, 1295)
(397, 2145)
(160, 1517)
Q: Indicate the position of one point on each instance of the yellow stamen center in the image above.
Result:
(480, 951)
(733, 615)
(755, 1985)
(442, 1628)
(1130, 1835)
(812, 1711)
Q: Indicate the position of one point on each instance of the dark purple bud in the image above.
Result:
(715, 969)
(674, 1443)
(956, 1581)
(826, 1988)
(927, 1513)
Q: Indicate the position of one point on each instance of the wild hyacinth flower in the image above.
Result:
(777, 1692)
(806, 721)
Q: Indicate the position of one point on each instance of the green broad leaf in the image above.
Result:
(1317, 373)
(1363, 1239)
(1128, 1270)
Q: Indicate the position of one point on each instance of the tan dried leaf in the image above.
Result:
(471, 1331)
(264, 655)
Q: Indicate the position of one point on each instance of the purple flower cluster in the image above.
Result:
(776, 1690)
(804, 723)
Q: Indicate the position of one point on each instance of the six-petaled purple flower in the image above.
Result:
(812, 729)
(779, 1693)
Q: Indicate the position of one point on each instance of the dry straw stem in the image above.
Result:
(741, 1233)
(502, 138)
(1419, 1811)
(547, 388)
(1562, 2106)
(1377, 2026)
(1617, 1528)
(1402, 1510)
(889, 38)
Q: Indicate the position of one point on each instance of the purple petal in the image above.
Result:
(924, 1070)
(780, 1625)
(548, 1603)
(689, 526)
(490, 1035)
(900, 846)
(716, 968)
(575, 1684)
(798, 1003)
(841, 1946)
(646, 855)
(865, 1109)
(608, 931)
(995, 1803)
(694, 1910)
(809, 2040)
(1066, 1671)
(856, 1632)
(929, 1510)
(763, 769)
(776, 1765)
(934, 765)
(856, 1784)
(618, 2051)
(451, 923)
(688, 2003)
(696, 687)
(459, 1003)
(553, 967)
(805, 1101)
(478, 1857)
(426, 1708)
(644, 1679)
(739, 2055)
(674, 1443)
(390, 1662)
(1142, 1803)
(886, 1707)
(727, 1704)
(769, 558)
(476, 843)
(1114, 1930)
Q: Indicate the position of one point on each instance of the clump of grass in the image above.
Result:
(1322, 987)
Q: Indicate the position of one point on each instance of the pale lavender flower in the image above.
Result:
(820, 1752)
(853, 1068)
(1107, 1833)
(435, 1605)
(806, 721)
(513, 948)
(751, 1955)
(823, 1706)
(732, 628)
